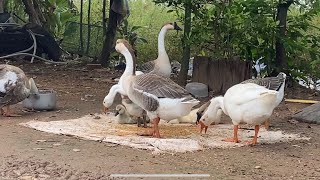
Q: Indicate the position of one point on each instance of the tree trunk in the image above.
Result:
(89, 27)
(33, 16)
(104, 19)
(81, 28)
(109, 37)
(1, 6)
(38, 11)
(281, 61)
(183, 75)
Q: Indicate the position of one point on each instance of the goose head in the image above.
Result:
(172, 26)
(212, 114)
(107, 102)
(208, 119)
(32, 89)
(120, 109)
(282, 75)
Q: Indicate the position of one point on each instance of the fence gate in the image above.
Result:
(220, 75)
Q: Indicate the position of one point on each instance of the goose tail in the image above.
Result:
(190, 100)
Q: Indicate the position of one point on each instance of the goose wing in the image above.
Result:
(271, 83)
(147, 67)
(147, 88)
(244, 93)
(160, 87)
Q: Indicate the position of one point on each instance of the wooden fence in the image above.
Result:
(219, 75)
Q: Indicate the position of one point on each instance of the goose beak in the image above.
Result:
(105, 110)
(176, 27)
(198, 118)
(116, 114)
(202, 126)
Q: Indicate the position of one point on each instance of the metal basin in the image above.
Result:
(45, 100)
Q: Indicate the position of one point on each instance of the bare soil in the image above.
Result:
(29, 154)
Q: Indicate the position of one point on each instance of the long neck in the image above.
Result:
(113, 92)
(218, 102)
(130, 63)
(161, 48)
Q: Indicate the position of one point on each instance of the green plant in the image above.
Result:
(130, 33)
(57, 14)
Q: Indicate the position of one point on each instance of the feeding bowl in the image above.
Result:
(44, 100)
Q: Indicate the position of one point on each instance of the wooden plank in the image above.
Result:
(305, 101)
(220, 75)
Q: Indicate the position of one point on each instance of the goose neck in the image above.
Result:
(218, 102)
(161, 46)
(130, 62)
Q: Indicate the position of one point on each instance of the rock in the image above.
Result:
(309, 114)
(45, 176)
(41, 140)
(17, 172)
(257, 167)
(76, 150)
(26, 178)
(197, 89)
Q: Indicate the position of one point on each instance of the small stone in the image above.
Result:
(56, 144)
(17, 172)
(97, 117)
(73, 177)
(45, 176)
(38, 148)
(26, 177)
(41, 140)
(76, 150)
(257, 167)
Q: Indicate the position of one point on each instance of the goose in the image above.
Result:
(201, 110)
(123, 116)
(273, 83)
(14, 88)
(161, 65)
(189, 118)
(160, 97)
(109, 98)
(248, 103)
(135, 111)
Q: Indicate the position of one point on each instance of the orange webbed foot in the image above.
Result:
(252, 143)
(232, 140)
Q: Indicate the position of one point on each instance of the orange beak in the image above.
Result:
(202, 126)
(105, 110)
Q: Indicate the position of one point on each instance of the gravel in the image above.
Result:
(36, 170)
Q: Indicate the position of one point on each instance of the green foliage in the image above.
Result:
(248, 28)
(129, 33)
(220, 29)
(152, 17)
(57, 13)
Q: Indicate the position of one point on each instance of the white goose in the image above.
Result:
(14, 87)
(158, 96)
(273, 83)
(248, 103)
(135, 111)
(161, 65)
(109, 98)
(122, 115)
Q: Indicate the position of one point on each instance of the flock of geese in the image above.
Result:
(151, 93)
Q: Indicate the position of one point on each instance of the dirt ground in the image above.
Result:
(29, 154)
